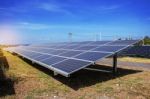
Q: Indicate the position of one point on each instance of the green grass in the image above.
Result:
(147, 41)
(32, 83)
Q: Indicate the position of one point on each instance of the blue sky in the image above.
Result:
(30, 21)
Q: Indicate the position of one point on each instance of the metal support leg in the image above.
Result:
(115, 63)
(98, 70)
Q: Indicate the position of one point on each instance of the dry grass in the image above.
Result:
(133, 59)
(33, 82)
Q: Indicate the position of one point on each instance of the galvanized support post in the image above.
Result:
(143, 42)
(115, 63)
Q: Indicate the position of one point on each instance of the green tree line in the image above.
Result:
(147, 40)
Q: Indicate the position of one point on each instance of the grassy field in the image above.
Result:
(132, 59)
(26, 80)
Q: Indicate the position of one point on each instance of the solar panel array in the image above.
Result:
(143, 51)
(67, 58)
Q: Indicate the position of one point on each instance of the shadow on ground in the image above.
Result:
(6, 84)
(84, 78)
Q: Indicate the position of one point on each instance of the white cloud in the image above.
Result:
(34, 26)
(53, 8)
(39, 26)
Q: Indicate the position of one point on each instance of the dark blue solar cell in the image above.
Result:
(92, 56)
(86, 47)
(70, 53)
(23, 52)
(85, 42)
(109, 48)
(99, 42)
(34, 55)
(72, 43)
(71, 65)
(47, 50)
(64, 46)
(48, 46)
(29, 54)
(32, 49)
(143, 51)
(71, 47)
(51, 46)
(60, 46)
(123, 42)
(56, 52)
(20, 51)
(52, 60)
(41, 57)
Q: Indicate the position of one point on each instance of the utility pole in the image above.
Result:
(143, 41)
(100, 36)
(97, 37)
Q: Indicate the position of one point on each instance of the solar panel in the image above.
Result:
(71, 65)
(33, 49)
(34, 55)
(109, 48)
(123, 42)
(100, 42)
(42, 57)
(52, 60)
(56, 52)
(46, 50)
(71, 53)
(85, 42)
(92, 56)
(71, 47)
(59, 47)
(87, 47)
(28, 53)
(66, 58)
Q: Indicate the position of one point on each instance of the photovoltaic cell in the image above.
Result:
(64, 57)
(23, 52)
(86, 47)
(33, 49)
(29, 54)
(57, 52)
(71, 65)
(123, 42)
(42, 57)
(85, 42)
(71, 47)
(34, 55)
(59, 47)
(52, 60)
(70, 53)
(53, 46)
(99, 42)
(92, 56)
(47, 50)
(108, 48)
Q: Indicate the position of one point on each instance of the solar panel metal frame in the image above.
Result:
(120, 50)
(65, 73)
(52, 68)
(47, 66)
